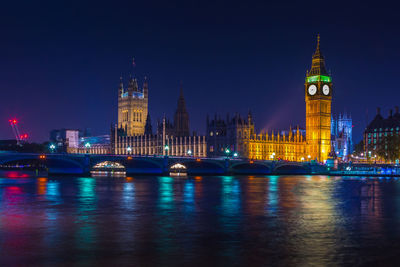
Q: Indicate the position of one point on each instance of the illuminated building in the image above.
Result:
(65, 139)
(318, 92)
(342, 135)
(93, 145)
(170, 139)
(132, 107)
(379, 128)
(292, 145)
(228, 134)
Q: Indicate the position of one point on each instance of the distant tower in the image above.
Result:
(318, 96)
(148, 130)
(181, 119)
(132, 107)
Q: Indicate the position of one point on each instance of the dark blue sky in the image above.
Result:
(60, 63)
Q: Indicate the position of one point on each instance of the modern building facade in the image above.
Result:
(92, 145)
(64, 139)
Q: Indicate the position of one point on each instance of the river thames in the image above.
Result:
(200, 221)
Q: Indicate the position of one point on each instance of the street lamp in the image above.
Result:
(52, 148)
(189, 152)
(235, 154)
(128, 149)
(87, 145)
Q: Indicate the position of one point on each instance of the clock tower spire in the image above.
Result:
(318, 97)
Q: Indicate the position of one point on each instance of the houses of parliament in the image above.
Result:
(238, 134)
(133, 134)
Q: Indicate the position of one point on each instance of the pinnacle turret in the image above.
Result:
(318, 62)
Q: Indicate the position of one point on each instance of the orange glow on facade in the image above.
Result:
(293, 146)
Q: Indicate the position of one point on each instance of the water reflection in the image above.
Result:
(273, 194)
(86, 212)
(230, 197)
(226, 220)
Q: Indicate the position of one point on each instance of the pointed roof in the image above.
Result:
(181, 101)
(318, 62)
(148, 128)
(121, 83)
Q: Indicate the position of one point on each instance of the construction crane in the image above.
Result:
(18, 137)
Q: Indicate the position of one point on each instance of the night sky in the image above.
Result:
(60, 63)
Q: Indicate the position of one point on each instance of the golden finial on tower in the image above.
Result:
(317, 50)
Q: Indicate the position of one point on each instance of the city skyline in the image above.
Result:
(56, 76)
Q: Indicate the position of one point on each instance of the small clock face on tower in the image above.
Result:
(312, 89)
(325, 89)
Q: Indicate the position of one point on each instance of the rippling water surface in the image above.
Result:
(200, 221)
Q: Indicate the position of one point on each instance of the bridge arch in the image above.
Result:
(200, 166)
(143, 166)
(291, 168)
(54, 164)
(250, 168)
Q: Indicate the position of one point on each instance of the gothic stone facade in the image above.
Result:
(293, 146)
(132, 107)
(133, 134)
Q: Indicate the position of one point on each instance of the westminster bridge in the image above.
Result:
(84, 163)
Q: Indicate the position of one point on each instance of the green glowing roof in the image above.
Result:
(316, 78)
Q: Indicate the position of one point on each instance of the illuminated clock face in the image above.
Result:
(325, 89)
(312, 89)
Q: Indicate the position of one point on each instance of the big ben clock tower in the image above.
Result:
(318, 94)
